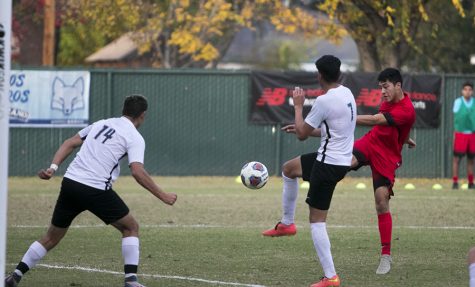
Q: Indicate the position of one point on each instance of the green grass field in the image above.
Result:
(213, 233)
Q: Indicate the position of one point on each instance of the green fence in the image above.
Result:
(197, 124)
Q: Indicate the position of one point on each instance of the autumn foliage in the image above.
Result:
(184, 33)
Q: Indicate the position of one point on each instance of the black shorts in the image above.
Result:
(76, 197)
(306, 161)
(323, 180)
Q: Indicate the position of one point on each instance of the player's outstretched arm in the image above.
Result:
(144, 179)
(290, 129)
(61, 154)
(371, 120)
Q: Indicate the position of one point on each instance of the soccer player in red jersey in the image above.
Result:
(380, 148)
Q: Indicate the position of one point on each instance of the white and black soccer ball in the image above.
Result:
(254, 175)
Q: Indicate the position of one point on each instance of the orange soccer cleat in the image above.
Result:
(328, 282)
(281, 230)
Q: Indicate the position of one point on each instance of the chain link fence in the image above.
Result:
(197, 124)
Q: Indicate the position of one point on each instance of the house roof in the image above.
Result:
(245, 48)
(114, 51)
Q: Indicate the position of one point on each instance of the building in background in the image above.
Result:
(249, 50)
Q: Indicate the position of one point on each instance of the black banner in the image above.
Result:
(272, 103)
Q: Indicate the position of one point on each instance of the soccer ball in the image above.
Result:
(254, 175)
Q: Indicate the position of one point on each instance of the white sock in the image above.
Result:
(130, 253)
(471, 270)
(34, 254)
(289, 199)
(323, 247)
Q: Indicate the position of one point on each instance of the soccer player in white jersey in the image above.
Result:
(380, 148)
(333, 117)
(471, 266)
(87, 185)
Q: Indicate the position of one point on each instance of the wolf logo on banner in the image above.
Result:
(68, 98)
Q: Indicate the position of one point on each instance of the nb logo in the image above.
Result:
(369, 98)
(272, 97)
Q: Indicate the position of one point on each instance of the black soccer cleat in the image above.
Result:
(455, 185)
(13, 280)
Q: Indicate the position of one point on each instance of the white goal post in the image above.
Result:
(5, 52)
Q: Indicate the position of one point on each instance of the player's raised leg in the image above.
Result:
(129, 228)
(291, 171)
(35, 253)
(385, 224)
(471, 266)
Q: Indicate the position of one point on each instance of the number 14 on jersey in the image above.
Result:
(107, 135)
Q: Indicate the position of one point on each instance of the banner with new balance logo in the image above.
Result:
(271, 98)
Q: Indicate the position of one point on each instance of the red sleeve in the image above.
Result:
(399, 116)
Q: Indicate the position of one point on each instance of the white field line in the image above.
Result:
(336, 195)
(95, 270)
(204, 226)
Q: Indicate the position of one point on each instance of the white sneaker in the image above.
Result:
(132, 282)
(384, 264)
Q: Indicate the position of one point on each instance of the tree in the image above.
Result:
(448, 44)
(282, 53)
(27, 26)
(417, 34)
(183, 33)
(89, 25)
(388, 33)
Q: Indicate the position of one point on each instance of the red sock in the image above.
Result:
(385, 223)
(470, 178)
(455, 178)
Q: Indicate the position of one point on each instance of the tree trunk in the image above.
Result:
(368, 53)
(391, 57)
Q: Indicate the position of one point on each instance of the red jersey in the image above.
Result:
(383, 143)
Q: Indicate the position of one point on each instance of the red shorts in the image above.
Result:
(464, 144)
(383, 173)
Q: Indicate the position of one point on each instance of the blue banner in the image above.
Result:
(49, 98)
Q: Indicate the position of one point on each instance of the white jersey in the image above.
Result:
(106, 142)
(335, 113)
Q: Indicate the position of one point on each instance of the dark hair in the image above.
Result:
(134, 106)
(390, 74)
(469, 84)
(329, 68)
